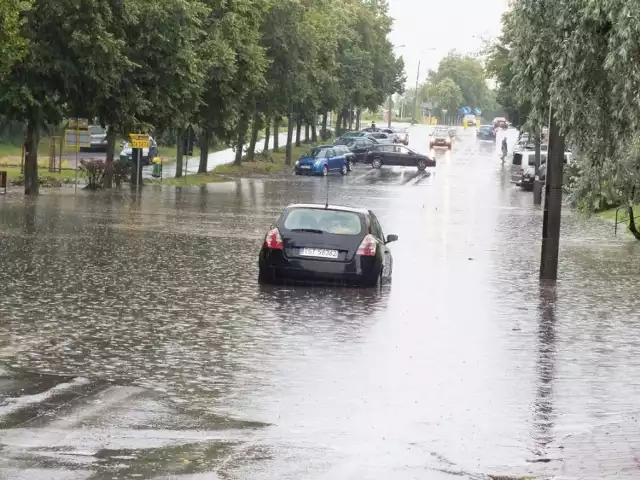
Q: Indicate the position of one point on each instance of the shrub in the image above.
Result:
(94, 171)
(326, 133)
(121, 172)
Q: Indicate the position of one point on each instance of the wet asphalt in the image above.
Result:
(135, 341)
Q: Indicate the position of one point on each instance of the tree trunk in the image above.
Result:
(345, 119)
(31, 159)
(267, 135)
(298, 132)
(276, 134)
(111, 151)
(290, 127)
(243, 127)
(204, 150)
(255, 129)
(350, 118)
(338, 124)
(632, 223)
(307, 133)
(178, 155)
(324, 122)
(314, 133)
(358, 119)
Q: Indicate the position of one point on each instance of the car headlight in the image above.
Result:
(297, 163)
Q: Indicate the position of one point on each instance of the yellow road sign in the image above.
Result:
(78, 123)
(139, 140)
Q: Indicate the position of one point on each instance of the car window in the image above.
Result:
(517, 159)
(317, 152)
(379, 135)
(402, 149)
(330, 221)
(385, 148)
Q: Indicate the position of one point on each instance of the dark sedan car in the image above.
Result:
(397, 155)
(326, 244)
(486, 132)
(358, 146)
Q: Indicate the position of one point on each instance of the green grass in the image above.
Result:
(11, 150)
(13, 173)
(622, 213)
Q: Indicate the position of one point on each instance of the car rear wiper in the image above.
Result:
(310, 230)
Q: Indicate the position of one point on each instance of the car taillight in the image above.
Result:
(273, 240)
(367, 246)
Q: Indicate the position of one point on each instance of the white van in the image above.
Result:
(521, 160)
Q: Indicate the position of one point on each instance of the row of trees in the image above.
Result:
(459, 81)
(581, 63)
(230, 68)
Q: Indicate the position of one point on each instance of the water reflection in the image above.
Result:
(543, 411)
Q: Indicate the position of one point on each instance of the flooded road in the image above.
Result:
(135, 341)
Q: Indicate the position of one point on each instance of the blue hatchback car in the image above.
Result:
(321, 160)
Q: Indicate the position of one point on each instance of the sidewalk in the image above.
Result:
(190, 165)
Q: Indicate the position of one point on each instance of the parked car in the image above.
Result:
(528, 176)
(381, 137)
(326, 244)
(349, 135)
(441, 137)
(486, 132)
(500, 122)
(358, 146)
(148, 154)
(348, 154)
(322, 160)
(521, 160)
(397, 155)
(402, 134)
(98, 139)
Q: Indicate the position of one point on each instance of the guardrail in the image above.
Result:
(624, 220)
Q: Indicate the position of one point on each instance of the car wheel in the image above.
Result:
(422, 165)
(344, 169)
(350, 165)
(325, 171)
(376, 163)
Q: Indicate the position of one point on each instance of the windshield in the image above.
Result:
(354, 134)
(316, 152)
(323, 221)
(441, 132)
(97, 130)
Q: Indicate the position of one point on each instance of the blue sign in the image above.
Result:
(465, 110)
(477, 111)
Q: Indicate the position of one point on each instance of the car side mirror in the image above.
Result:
(392, 238)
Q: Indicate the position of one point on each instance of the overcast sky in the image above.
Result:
(422, 25)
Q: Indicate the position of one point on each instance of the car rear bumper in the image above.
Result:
(361, 271)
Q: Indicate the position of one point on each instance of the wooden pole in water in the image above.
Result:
(552, 205)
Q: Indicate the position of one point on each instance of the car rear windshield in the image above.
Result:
(347, 141)
(321, 220)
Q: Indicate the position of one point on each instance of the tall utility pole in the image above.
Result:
(389, 112)
(552, 204)
(415, 100)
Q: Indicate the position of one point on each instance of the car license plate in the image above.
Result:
(306, 167)
(318, 252)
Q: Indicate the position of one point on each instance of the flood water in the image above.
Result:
(135, 341)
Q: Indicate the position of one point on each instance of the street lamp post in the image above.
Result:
(415, 100)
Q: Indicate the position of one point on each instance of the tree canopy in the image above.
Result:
(229, 68)
(580, 59)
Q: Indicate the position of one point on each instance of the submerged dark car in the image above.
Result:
(486, 132)
(326, 244)
(397, 155)
(358, 146)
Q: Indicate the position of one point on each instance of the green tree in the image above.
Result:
(445, 94)
(468, 73)
(13, 44)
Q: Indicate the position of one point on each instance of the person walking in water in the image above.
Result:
(504, 148)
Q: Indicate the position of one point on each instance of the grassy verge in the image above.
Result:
(622, 214)
(45, 178)
(272, 163)
(44, 147)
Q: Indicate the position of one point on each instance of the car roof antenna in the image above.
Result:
(326, 203)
